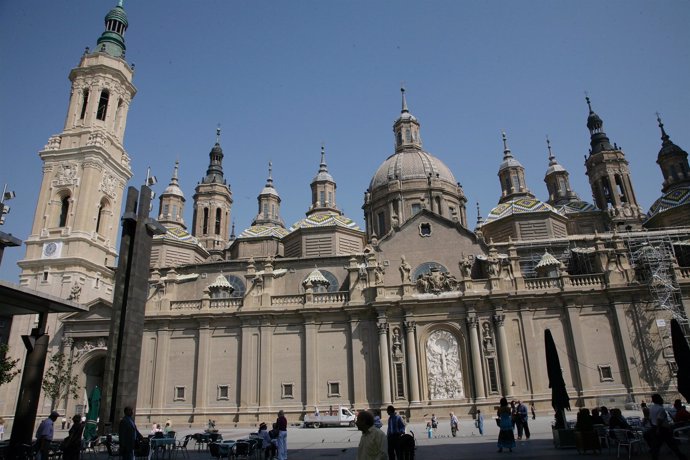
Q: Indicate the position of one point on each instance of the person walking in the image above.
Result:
(282, 435)
(506, 438)
(480, 422)
(71, 446)
(128, 434)
(660, 431)
(434, 422)
(44, 436)
(429, 430)
(372, 444)
(396, 428)
(454, 424)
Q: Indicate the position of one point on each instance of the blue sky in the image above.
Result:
(282, 77)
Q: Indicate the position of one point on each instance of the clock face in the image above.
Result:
(50, 249)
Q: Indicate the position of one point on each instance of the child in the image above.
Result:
(429, 430)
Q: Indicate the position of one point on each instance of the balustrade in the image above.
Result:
(185, 305)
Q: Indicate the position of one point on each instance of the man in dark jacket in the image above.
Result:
(396, 428)
(129, 435)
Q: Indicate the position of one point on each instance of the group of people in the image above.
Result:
(70, 446)
(510, 416)
(657, 423)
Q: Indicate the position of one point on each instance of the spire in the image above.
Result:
(664, 137)
(112, 40)
(673, 161)
(552, 159)
(506, 150)
(598, 139)
(173, 180)
(480, 220)
(323, 188)
(404, 101)
(323, 167)
(269, 203)
(214, 173)
(406, 128)
(269, 181)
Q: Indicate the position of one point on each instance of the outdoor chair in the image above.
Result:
(181, 446)
(242, 449)
(407, 446)
(603, 435)
(170, 434)
(113, 449)
(626, 439)
(682, 433)
(587, 440)
(214, 449)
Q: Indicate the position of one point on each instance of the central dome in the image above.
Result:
(409, 165)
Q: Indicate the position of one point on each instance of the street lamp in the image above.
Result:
(6, 239)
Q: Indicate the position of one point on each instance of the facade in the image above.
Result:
(417, 309)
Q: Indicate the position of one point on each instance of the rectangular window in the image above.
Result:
(605, 373)
(673, 367)
(174, 213)
(493, 378)
(166, 209)
(416, 207)
(330, 198)
(84, 101)
(103, 105)
(179, 394)
(382, 224)
(45, 276)
(333, 389)
(399, 382)
(223, 392)
(322, 198)
(287, 390)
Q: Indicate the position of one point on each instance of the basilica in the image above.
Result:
(422, 308)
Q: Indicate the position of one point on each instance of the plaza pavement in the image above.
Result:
(341, 442)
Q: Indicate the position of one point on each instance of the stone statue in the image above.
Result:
(378, 275)
(466, 268)
(397, 344)
(405, 270)
(486, 337)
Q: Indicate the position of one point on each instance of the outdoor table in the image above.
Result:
(225, 447)
(167, 444)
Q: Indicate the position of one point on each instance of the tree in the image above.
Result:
(8, 366)
(59, 381)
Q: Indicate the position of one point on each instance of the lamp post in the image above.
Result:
(6, 239)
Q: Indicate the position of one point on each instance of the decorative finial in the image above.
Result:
(552, 159)
(177, 167)
(270, 169)
(404, 100)
(506, 149)
(119, 3)
(589, 103)
(479, 215)
(218, 134)
(664, 136)
(232, 231)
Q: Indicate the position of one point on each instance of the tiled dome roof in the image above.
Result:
(574, 207)
(517, 206)
(259, 231)
(675, 197)
(325, 219)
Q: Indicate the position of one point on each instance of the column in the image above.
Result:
(310, 363)
(412, 372)
(265, 380)
(161, 367)
(479, 392)
(357, 364)
(383, 362)
(203, 348)
(622, 336)
(503, 355)
(577, 348)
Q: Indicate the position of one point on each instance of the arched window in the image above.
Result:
(399, 138)
(322, 198)
(64, 211)
(218, 218)
(103, 105)
(118, 115)
(408, 136)
(265, 212)
(204, 224)
(84, 101)
(103, 209)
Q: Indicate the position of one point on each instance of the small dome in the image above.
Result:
(547, 260)
(556, 167)
(325, 219)
(675, 197)
(316, 278)
(409, 165)
(268, 190)
(173, 189)
(323, 176)
(118, 14)
(221, 282)
(517, 206)
(510, 162)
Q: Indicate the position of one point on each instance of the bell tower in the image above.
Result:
(609, 177)
(71, 250)
(212, 205)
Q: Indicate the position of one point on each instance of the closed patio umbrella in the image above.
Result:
(559, 397)
(681, 353)
(92, 416)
